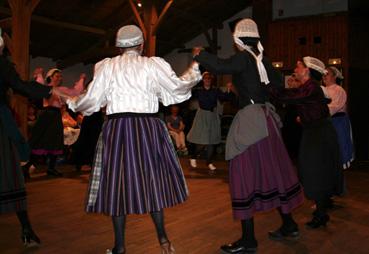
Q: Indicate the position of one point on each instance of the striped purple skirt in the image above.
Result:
(140, 171)
(263, 177)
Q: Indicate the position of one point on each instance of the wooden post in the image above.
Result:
(150, 23)
(19, 49)
(150, 19)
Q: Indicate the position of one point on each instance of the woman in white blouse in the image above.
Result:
(136, 169)
(338, 111)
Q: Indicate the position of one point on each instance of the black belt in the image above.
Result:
(211, 110)
(131, 114)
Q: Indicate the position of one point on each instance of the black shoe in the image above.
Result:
(284, 234)
(29, 237)
(239, 247)
(114, 251)
(318, 221)
(54, 172)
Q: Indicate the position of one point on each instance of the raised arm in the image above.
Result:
(217, 65)
(95, 97)
(31, 89)
(172, 89)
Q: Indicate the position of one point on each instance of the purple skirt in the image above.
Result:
(140, 171)
(263, 177)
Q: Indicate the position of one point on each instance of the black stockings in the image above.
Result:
(119, 224)
(158, 219)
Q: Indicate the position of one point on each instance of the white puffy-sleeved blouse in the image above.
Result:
(338, 96)
(134, 83)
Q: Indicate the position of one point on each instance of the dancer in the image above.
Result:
(319, 166)
(338, 110)
(261, 175)
(205, 128)
(47, 135)
(13, 146)
(136, 169)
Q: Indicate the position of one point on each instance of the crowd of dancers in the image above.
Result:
(136, 170)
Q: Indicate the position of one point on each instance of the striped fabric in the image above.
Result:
(263, 177)
(96, 174)
(140, 171)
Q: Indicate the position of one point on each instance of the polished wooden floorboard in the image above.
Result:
(199, 226)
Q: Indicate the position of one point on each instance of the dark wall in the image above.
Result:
(359, 111)
(359, 75)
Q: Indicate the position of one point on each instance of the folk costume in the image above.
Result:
(261, 175)
(136, 169)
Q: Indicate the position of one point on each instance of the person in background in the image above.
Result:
(338, 111)
(13, 147)
(175, 126)
(47, 136)
(261, 175)
(319, 166)
(136, 169)
(205, 130)
(84, 148)
(31, 118)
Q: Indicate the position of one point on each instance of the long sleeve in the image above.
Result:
(339, 97)
(75, 90)
(292, 95)
(217, 65)
(95, 97)
(30, 89)
(172, 89)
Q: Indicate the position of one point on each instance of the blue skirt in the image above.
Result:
(140, 171)
(342, 124)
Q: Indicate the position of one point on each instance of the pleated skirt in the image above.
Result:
(47, 135)
(320, 168)
(12, 189)
(263, 177)
(139, 169)
(341, 123)
(205, 129)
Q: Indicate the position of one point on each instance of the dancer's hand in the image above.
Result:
(38, 75)
(57, 91)
(82, 76)
(196, 51)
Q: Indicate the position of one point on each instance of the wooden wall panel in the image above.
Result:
(284, 45)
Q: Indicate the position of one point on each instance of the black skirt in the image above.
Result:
(47, 135)
(12, 190)
(320, 170)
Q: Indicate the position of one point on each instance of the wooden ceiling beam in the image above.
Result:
(138, 18)
(89, 53)
(161, 16)
(31, 4)
(51, 22)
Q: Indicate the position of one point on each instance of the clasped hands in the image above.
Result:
(196, 50)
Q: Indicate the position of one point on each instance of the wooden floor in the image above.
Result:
(199, 226)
